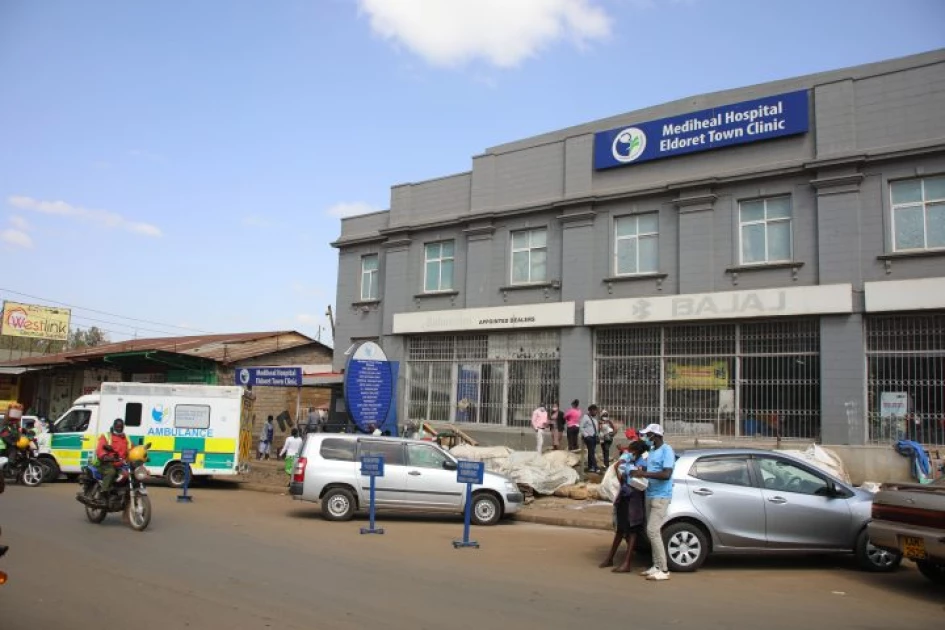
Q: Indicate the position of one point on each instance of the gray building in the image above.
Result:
(759, 262)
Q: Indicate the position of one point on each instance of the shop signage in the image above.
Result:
(738, 123)
(36, 322)
(831, 298)
(269, 377)
(368, 385)
(905, 295)
(547, 315)
(713, 375)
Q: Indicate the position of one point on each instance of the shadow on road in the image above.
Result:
(392, 517)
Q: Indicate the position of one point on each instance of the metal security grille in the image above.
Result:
(487, 379)
(755, 379)
(905, 357)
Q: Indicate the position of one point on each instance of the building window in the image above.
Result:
(918, 214)
(438, 267)
(765, 230)
(529, 256)
(369, 271)
(635, 244)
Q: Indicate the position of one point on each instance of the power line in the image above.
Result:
(92, 310)
(131, 327)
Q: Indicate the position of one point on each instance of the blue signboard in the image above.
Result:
(369, 386)
(738, 123)
(372, 465)
(269, 377)
(188, 456)
(470, 472)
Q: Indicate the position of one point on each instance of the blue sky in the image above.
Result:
(186, 163)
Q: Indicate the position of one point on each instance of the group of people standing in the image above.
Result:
(594, 427)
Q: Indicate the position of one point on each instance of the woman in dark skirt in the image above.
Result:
(629, 507)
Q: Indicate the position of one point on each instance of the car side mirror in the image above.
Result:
(449, 465)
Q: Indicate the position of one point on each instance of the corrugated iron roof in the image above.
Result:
(224, 348)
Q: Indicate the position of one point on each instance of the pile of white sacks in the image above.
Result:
(543, 473)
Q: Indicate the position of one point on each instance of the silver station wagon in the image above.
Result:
(418, 476)
(752, 501)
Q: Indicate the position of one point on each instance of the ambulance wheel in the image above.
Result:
(175, 475)
(52, 469)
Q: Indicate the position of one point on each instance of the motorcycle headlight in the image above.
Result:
(141, 473)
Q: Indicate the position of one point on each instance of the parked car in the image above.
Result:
(418, 476)
(910, 518)
(749, 501)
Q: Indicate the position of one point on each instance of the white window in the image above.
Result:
(918, 214)
(438, 267)
(369, 271)
(765, 230)
(635, 244)
(529, 256)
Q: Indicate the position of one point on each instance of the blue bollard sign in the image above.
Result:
(372, 466)
(188, 456)
(468, 473)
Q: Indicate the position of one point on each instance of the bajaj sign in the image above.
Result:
(739, 123)
(36, 322)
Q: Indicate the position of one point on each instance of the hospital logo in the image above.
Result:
(244, 377)
(629, 145)
(158, 414)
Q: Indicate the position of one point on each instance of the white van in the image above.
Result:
(215, 421)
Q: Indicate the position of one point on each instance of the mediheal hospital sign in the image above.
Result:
(739, 123)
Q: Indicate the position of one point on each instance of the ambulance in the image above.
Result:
(213, 421)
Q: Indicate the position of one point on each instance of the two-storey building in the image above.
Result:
(764, 261)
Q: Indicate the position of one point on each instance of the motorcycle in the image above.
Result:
(28, 469)
(127, 495)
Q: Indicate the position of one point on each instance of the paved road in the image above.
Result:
(236, 559)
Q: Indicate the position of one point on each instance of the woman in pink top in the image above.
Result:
(572, 419)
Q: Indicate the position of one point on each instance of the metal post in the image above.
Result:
(185, 498)
(372, 502)
(465, 542)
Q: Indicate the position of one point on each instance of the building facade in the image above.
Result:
(761, 262)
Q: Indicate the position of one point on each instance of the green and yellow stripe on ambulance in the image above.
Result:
(212, 453)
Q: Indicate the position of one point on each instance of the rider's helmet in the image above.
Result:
(138, 455)
(23, 443)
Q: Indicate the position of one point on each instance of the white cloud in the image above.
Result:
(500, 32)
(350, 209)
(19, 222)
(101, 217)
(17, 238)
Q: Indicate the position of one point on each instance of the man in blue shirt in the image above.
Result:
(659, 492)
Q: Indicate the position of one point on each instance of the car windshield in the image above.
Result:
(75, 421)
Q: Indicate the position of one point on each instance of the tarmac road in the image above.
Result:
(236, 559)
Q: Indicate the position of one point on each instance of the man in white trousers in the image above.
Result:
(539, 423)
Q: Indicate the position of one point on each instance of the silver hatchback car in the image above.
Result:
(418, 475)
(751, 501)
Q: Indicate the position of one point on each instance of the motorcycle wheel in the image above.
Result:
(139, 512)
(33, 474)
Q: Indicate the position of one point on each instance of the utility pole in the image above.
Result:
(331, 320)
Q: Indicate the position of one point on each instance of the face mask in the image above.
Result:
(118, 430)
(648, 442)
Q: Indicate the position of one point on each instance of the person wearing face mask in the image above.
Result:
(659, 492)
(111, 451)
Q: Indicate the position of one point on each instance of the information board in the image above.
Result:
(369, 386)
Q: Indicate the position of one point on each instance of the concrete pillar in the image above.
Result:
(577, 277)
(696, 253)
(842, 380)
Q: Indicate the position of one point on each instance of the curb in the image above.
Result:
(261, 487)
(560, 521)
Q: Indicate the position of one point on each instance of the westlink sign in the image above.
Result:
(739, 123)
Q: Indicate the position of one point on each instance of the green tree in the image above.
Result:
(86, 338)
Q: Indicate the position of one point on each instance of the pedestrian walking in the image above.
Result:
(659, 493)
(556, 422)
(629, 506)
(590, 431)
(311, 421)
(607, 432)
(291, 450)
(572, 419)
(265, 439)
(539, 423)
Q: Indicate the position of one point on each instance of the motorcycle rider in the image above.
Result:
(111, 451)
(10, 433)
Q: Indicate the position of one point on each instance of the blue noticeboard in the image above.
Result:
(188, 456)
(269, 377)
(470, 472)
(369, 386)
(372, 465)
(739, 123)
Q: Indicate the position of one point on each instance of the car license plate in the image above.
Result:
(913, 548)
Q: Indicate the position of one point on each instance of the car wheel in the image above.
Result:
(935, 571)
(687, 547)
(52, 471)
(485, 509)
(338, 504)
(873, 558)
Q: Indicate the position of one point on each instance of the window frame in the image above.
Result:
(373, 278)
(129, 416)
(923, 204)
(765, 221)
(745, 459)
(439, 260)
(824, 478)
(617, 238)
(513, 250)
(364, 448)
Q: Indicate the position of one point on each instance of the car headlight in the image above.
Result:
(141, 473)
